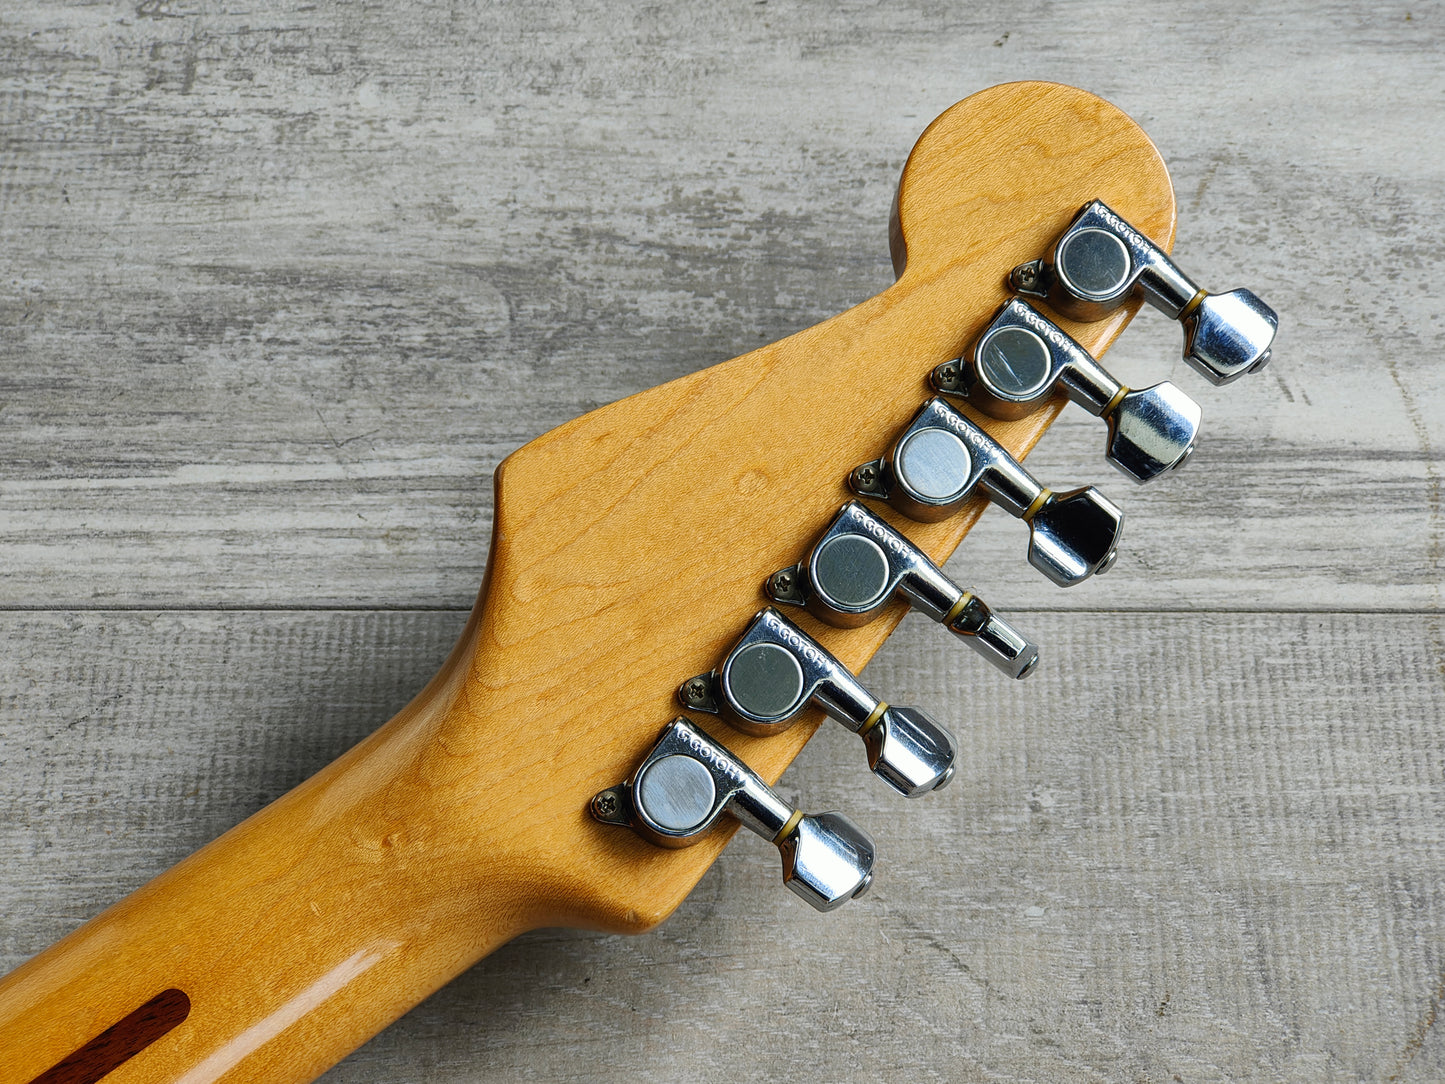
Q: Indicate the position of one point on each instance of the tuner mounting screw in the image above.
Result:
(867, 476)
(605, 804)
(1025, 277)
(695, 691)
(783, 581)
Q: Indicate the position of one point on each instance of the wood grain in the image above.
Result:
(248, 252)
(312, 925)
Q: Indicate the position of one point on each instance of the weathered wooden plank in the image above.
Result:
(285, 283)
(1210, 846)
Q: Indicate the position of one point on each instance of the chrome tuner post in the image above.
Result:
(860, 563)
(1022, 360)
(1100, 261)
(942, 459)
(776, 670)
(688, 781)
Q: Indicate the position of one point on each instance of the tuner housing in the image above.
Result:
(775, 670)
(689, 780)
(860, 563)
(942, 458)
(1075, 535)
(1023, 360)
(1101, 261)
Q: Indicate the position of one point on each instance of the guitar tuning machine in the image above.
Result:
(860, 563)
(1100, 261)
(1022, 360)
(941, 459)
(775, 670)
(689, 780)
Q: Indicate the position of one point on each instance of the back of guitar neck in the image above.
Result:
(629, 549)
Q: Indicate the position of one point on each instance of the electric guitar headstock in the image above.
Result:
(727, 549)
(663, 537)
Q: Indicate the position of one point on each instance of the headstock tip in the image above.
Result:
(1005, 170)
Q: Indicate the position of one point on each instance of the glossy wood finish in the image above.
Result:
(628, 549)
(120, 1042)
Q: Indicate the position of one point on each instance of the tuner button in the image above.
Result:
(1152, 431)
(1228, 335)
(995, 639)
(1074, 535)
(827, 860)
(909, 751)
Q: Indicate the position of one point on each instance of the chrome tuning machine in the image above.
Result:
(942, 459)
(775, 670)
(689, 780)
(861, 563)
(1100, 261)
(1023, 359)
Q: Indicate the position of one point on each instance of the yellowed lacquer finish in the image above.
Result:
(629, 549)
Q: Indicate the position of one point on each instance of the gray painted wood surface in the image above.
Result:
(283, 283)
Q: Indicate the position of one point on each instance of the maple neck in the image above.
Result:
(628, 550)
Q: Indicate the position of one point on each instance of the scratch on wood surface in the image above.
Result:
(1422, 1029)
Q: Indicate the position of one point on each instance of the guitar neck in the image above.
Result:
(287, 942)
(628, 550)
